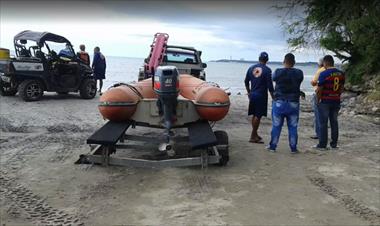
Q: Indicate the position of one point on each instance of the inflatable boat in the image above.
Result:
(195, 100)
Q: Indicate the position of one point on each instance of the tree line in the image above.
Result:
(350, 29)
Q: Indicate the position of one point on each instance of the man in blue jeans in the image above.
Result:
(286, 102)
(330, 88)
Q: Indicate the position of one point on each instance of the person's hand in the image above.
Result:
(303, 95)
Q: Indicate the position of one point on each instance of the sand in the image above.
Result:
(40, 184)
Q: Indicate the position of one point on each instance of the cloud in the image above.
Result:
(221, 29)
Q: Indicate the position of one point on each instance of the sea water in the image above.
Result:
(228, 75)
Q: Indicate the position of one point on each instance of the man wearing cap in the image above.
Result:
(259, 75)
(286, 103)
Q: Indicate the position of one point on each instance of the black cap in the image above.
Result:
(264, 56)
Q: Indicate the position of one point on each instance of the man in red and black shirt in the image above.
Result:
(330, 88)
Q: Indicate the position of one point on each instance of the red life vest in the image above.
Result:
(84, 57)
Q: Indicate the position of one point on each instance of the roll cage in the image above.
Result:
(40, 38)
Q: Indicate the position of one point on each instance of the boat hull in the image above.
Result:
(118, 104)
(208, 102)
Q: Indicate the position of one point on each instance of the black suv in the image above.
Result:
(45, 62)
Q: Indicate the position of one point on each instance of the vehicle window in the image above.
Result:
(57, 47)
(177, 57)
(27, 49)
(44, 49)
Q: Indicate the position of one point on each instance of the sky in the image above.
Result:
(221, 29)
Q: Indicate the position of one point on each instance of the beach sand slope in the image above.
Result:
(40, 184)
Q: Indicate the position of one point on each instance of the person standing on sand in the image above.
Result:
(314, 83)
(99, 67)
(83, 55)
(330, 88)
(286, 103)
(259, 75)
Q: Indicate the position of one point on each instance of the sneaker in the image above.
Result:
(271, 149)
(319, 148)
(294, 151)
(334, 147)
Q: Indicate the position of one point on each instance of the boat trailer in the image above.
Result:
(210, 147)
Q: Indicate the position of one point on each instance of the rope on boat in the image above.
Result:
(134, 89)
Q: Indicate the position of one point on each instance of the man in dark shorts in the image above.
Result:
(260, 77)
(330, 88)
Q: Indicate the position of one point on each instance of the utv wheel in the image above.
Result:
(87, 89)
(31, 90)
(7, 91)
(222, 147)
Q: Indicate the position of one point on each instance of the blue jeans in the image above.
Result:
(328, 112)
(282, 109)
(316, 114)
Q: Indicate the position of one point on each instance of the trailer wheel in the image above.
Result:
(31, 90)
(88, 89)
(222, 147)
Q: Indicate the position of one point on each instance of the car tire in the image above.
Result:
(87, 89)
(31, 90)
(7, 91)
(222, 147)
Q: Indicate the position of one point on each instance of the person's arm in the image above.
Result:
(270, 83)
(95, 60)
(275, 75)
(301, 77)
(88, 59)
(314, 81)
(318, 91)
(247, 80)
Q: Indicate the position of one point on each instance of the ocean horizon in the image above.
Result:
(228, 75)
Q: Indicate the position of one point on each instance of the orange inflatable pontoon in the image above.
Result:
(210, 102)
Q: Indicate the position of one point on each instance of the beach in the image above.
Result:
(40, 184)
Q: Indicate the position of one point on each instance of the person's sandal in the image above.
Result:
(258, 141)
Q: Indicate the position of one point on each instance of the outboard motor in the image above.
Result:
(166, 86)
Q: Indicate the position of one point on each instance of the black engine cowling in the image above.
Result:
(166, 85)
